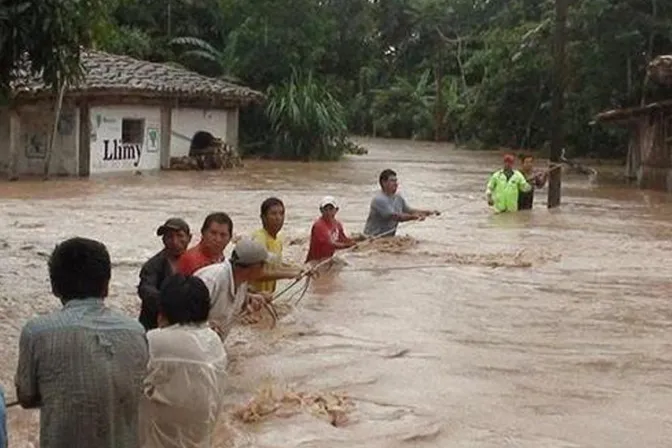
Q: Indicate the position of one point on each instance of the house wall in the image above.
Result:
(654, 147)
(4, 139)
(108, 150)
(186, 122)
(36, 127)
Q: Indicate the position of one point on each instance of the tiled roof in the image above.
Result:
(106, 73)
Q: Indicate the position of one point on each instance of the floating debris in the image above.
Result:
(267, 317)
(273, 401)
(393, 244)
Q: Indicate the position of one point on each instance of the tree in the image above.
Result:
(48, 33)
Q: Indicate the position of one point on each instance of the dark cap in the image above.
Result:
(175, 224)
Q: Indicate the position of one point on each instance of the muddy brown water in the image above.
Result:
(541, 329)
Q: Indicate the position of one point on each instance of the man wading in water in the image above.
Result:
(185, 386)
(327, 234)
(82, 365)
(536, 180)
(216, 233)
(504, 186)
(272, 220)
(227, 283)
(176, 236)
(388, 208)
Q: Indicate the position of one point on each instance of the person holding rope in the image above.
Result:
(272, 220)
(388, 208)
(504, 187)
(327, 234)
(536, 179)
(216, 234)
(185, 386)
(228, 281)
(82, 365)
(175, 235)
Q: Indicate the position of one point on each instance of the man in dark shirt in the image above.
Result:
(536, 180)
(176, 236)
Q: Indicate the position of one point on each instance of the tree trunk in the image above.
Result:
(557, 137)
(14, 142)
(54, 131)
(438, 119)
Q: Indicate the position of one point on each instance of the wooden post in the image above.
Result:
(84, 153)
(14, 143)
(166, 135)
(57, 118)
(232, 123)
(557, 121)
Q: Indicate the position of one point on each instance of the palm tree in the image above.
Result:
(210, 60)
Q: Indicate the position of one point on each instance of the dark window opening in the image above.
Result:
(132, 131)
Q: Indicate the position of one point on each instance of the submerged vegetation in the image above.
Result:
(473, 71)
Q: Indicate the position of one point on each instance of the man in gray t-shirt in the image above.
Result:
(388, 208)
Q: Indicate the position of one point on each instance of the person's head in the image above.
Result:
(527, 163)
(388, 181)
(183, 300)
(216, 232)
(248, 260)
(509, 160)
(176, 236)
(328, 208)
(273, 215)
(80, 268)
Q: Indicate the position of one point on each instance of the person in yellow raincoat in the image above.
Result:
(505, 185)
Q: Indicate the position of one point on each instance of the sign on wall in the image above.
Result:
(36, 145)
(153, 139)
(126, 139)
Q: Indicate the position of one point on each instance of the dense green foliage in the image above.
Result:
(50, 33)
(474, 71)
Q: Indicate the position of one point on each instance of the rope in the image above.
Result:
(330, 259)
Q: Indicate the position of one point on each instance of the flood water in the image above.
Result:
(541, 329)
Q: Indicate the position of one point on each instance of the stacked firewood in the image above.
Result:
(660, 70)
(217, 156)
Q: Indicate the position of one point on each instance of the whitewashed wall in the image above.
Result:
(186, 122)
(36, 129)
(107, 152)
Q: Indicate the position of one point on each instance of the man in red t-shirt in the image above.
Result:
(215, 236)
(327, 235)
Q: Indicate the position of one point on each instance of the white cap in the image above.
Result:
(328, 200)
(247, 252)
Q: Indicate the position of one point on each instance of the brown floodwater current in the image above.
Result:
(536, 329)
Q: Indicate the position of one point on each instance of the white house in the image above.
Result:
(124, 115)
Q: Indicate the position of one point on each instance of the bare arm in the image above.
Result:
(385, 209)
(417, 212)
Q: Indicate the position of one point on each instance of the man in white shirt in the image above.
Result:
(227, 283)
(183, 392)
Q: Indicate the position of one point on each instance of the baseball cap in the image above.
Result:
(328, 200)
(247, 252)
(173, 224)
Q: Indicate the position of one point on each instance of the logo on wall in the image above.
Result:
(116, 150)
(153, 139)
(36, 146)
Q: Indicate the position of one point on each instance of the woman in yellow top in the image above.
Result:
(505, 185)
(272, 219)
